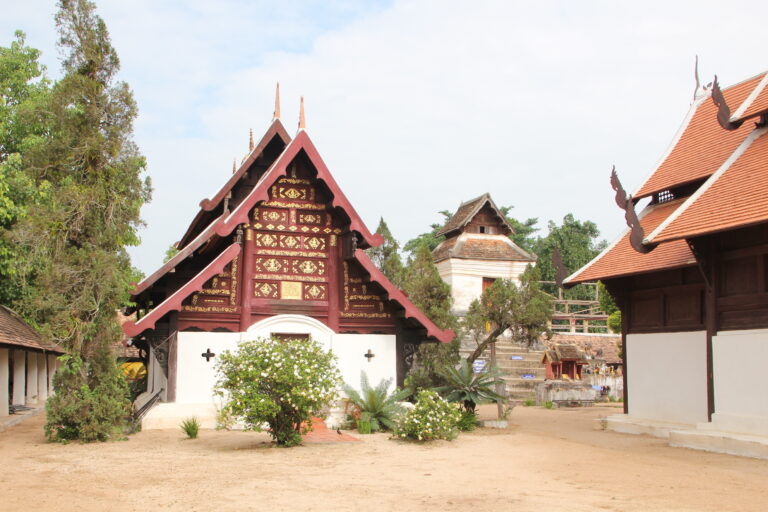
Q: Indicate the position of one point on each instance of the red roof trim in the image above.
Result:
(180, 256)
(173, 303)
(275, 129)
(279, 168)
(411, 311)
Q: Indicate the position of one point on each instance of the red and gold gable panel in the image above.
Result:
(358, 300)
(219, 294)
(293, 239)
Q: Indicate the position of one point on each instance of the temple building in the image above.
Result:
(691, 279)
(277, 251)
(477, 250)
(27, 364)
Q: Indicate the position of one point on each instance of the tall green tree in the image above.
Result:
(431, 239)
(387, 257)
(578, 242)
(23, 94)
(523, 309)
(76, 233)
(432, 295)
(524, 231)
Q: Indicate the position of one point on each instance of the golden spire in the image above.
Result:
(302, 120)
(250, 141)
(276, 115)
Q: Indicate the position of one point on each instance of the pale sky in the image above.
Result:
(415, 105)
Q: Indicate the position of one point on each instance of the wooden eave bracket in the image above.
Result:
(625, 202)
(174, 302)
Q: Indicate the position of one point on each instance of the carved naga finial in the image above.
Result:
(560, 271)
(624, 202)
(696, 76)
(302, 120)
(276, 115)
(723, 111)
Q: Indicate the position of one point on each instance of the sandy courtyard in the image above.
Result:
(546, 460)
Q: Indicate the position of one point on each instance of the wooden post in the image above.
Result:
(4, 378)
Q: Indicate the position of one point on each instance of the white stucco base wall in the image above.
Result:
(465, 277)
(196, 377)
(741, 403)
(666, 376)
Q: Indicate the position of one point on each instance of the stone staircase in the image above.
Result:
(521, 368)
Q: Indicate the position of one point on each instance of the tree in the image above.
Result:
(77, 272)
(432, 295)
(523, 309)
(431, 239)
(386, 256)
(523, 230)
(578, 243)
(280, 383)
(170, 253)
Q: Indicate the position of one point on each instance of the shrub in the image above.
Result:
(468, 421)
(529, 402)
(380, 406)
(191, 427)
(278, 383)
(364, 424)
(548, 404)
(91, 399)
(431, 418)
(470, 388)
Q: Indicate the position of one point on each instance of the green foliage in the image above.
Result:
(470, 389)
(429, 239)
(523, 309)
(91, 400)
(524, 230)
(548, 404)
(380, 407)
(578, 244)
(431, 418)
(280, 383)
(467, 421)
(170, 253)
(614, 321)
(191, 427)
(386, 256)
(365, 424)
(529, 402)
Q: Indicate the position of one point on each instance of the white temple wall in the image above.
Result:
(738, 358)
(195, 377)
(465, 277)
(667, 376)
(5, 375)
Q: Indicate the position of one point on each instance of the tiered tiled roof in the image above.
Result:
(475, 246)
(599, 346)
(15, 332)
(467, 211)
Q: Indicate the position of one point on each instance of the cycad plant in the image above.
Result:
(469, 388)
(380, 407)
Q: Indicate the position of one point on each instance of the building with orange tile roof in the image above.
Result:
(691, 278)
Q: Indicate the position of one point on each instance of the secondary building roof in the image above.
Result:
(15, 332)
(467, 211)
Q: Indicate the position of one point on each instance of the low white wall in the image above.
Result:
(741, 402)
(465, 277)
(667, 376)
(196, 377)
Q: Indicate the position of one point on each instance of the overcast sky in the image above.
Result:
(415, 105)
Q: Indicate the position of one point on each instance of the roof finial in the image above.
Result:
(302, 120)
(696, 76)
(276, 115)
(234, 165)
(250, 141)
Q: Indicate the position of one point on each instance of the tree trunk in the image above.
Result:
(487, 341)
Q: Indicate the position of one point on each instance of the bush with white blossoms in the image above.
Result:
(278, 383)
(431, 418)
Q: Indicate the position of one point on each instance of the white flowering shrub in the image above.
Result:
(278, 383)
(431, 418)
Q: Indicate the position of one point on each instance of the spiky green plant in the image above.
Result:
(377, 402)
(470, 388)
(191, 427)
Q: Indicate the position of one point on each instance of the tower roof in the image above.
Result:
(467, 211)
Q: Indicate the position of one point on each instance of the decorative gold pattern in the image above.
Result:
(209, 309)
(333, 240)
(314, 291)
(266, 240)
(310, 218)
(290, 290)
(344, 314)
(303, 206)
(294, 181)
(304, 254)
(265, 290)
(310, 279)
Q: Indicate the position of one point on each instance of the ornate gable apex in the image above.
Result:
(468, 210)
(276, 137)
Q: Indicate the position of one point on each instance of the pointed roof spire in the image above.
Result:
(234, 166)
(302, 120)
(276, 115)
(250, 141)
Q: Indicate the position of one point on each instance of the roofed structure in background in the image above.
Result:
(477, 249)
(690, 278)
(16, 333)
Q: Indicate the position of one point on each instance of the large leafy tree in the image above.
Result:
(524, 231)
(523, 309)
(386, 256)
(77, 271)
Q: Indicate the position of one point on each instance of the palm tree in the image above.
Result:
(377, 402)
(470, 388)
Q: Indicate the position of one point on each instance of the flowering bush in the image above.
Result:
(278, 383)
(431, 418)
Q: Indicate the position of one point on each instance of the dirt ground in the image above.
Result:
(546, 460)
